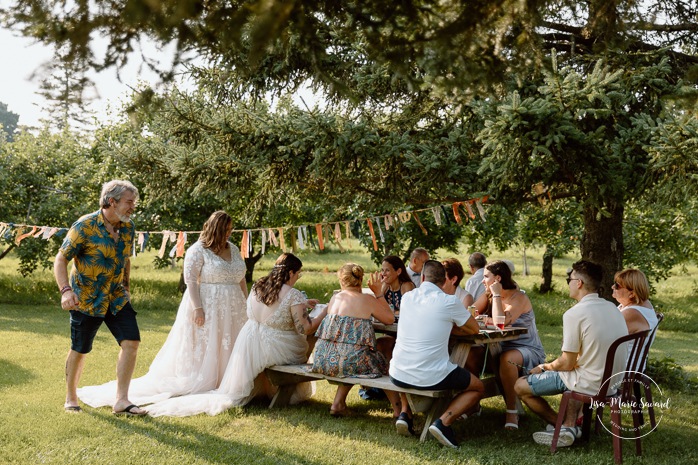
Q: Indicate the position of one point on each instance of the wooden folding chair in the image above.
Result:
(606, 397)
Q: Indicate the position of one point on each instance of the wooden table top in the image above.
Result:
(483, 337)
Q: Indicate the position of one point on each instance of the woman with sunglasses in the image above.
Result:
(631, 289)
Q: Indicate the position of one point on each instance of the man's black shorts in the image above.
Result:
(83, 328)
(457, 380)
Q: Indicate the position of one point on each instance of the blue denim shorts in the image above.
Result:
(547, 383)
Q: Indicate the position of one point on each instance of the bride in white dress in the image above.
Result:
(275, 334)
(210, 316)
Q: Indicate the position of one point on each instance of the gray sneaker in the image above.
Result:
(566, 438)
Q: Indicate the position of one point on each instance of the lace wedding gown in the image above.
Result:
(268, 338)
(193, 358)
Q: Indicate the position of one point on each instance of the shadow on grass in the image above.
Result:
(209, 447)
(12, 374)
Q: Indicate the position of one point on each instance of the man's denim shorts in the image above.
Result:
(547, 383)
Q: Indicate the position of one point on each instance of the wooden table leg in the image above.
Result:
(435, 412)
(459, 353)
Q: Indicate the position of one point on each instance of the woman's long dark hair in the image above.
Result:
(267, 288)
(398, 265)
(501, 269)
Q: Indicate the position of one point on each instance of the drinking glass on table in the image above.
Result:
(499, 321)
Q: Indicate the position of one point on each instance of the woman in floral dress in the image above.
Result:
(346, 343)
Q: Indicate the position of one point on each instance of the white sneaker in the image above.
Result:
(566, 438)
(550, 427)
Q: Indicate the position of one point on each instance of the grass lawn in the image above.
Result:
(34, 340)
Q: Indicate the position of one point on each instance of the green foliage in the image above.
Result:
(8, 122)
(669, 374)
(658, 237)
(47, 179)
(456, 48)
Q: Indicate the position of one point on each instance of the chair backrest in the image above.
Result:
(650, 340)
(634, 363)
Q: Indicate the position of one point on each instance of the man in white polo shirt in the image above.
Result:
(420, 358)
(588, 330)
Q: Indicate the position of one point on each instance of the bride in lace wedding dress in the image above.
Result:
(275, 334)
(210, 316)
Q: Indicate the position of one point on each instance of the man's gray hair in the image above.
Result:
(419, 252)
(114, 190)
(477, 260)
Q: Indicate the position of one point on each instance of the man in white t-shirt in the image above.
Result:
(474, 285)
(414, 268)
(420, 358)
(588, 330)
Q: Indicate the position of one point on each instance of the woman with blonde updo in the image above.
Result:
(346, 343)
(632, 291)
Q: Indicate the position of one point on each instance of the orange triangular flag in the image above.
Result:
(22, 236)
(419, 223)
(456, 214)
(244, 245)
(373, 235)
(181, 239)
(320, 241)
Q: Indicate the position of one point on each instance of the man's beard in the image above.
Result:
(122, 218)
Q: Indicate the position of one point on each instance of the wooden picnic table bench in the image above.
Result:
(429, 402)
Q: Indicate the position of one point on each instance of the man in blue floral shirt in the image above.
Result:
(99, 244)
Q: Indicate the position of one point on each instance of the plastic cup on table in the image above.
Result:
(499, 321)
(473, 310)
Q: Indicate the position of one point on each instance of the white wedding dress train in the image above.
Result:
(193, 358)
(274, 341)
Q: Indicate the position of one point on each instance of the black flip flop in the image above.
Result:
(72, 408)
(128, 411)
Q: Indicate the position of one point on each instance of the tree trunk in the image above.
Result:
(7, 250)
(547, 283)
(250, 263)
(525, 263)
(602, 243)
(602, 24)
(182, 286)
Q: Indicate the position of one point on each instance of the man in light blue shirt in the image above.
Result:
(414, 269)
(420, 358)
(474, 285)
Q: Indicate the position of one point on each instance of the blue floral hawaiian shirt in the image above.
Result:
(99, 263)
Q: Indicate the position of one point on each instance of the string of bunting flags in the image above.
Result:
(301, 236)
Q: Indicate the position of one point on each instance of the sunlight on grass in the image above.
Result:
(34, 340)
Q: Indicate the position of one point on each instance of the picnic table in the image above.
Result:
(430, 402)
